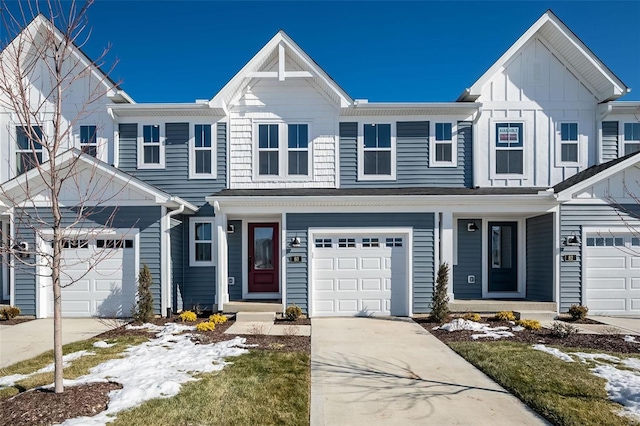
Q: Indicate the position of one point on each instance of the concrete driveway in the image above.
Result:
(28, 339)
(630, 324)
(367, 371)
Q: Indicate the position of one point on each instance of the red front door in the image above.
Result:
(263, 258)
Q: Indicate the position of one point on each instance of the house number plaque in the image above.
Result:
(295, 259)
(569, 258)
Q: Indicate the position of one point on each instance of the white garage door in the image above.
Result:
(106, 288)
(360, 275)
(613, 274)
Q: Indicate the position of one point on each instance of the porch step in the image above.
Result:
(492, 306)
(536, 315)
(256, 317)
(233, 307)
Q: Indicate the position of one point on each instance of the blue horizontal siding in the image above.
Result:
(540, 248)
(469, 261)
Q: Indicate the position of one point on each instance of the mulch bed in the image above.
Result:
(299, 321)
(603, 342)
(45, 407)
(15, 321)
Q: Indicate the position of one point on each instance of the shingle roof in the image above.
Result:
(590, 172)
(331, 192)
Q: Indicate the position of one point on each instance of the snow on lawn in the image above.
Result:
(623, 385)
(156, 369)
(102, 344)
(66, 360)
(485, 331)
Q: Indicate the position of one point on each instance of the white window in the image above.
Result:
(283, 151)
(201, 232)
(151, 147)
(569, 146)
(202, 153)
(443, 147)
(631, 138)
(268, 150)
(89, 140)
(298, 149)
(509, 149)
(28, 148)
(376, 152)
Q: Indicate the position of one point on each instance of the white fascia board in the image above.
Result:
(624, 107)
(435, 108)
(130, 110)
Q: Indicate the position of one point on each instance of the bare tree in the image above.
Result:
(48, 86)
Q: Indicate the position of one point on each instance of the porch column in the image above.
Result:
(222, 273)
(446, 247)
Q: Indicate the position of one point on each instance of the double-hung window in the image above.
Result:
(509, 149)
(443, 145)
(151, 153)
(89, 140)
(201, 233)
(268, 150)
(376, 159)
(569, 142)
(202, 160)
(631, 138)
(29, 148)
(298, 149)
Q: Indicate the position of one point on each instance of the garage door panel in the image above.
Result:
(81, 286)
(347, 306)
(324, 306)
(347, 285)
(76, 307)
(611, 304)
(108, 285)
(617, 262)
(323, 264)
(607, 284)
(324, 285)
(635, 263)
(346, 264)
(372, 305)
(635, 283)
(369, 263)
(372, 284)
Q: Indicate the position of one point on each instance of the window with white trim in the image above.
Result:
(268, 150)
(89, 140)
(201, 239)
(631, 138)
(298, 149)
(203, 152)
(443, 146)
(509, 149)
(376, 158)
(569, 142)
(28, 148)
(151, 148)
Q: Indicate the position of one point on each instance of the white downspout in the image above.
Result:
(167, 260)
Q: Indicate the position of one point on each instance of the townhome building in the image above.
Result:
(283, 189)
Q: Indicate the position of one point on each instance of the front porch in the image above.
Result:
(529, 309)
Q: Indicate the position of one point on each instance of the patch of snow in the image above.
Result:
(102, 344)
(162, 330)
(486, 331)
(493, 334)
(156, 369)
(553, 351)
(517, 328)
(630, 339)
(584, 357)
(66, 361)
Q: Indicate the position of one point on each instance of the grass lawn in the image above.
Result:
(564, 393)
(259, 388)
(78, 367)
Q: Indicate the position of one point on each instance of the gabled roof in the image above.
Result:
(572, 50)
(42, 23)
(594, 174)
(272, 52)
(13, 191)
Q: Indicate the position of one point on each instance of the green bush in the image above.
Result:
(578, 312)
(440, 300)
(206, 326)
(472, 317)
(529, 324)
(505, 316)
(293, 312)
(143, 310)
(9, 313)
(188, 316)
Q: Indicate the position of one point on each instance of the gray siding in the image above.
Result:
(540, 258)
(469, 261)
(146, 219)
(298, 225)
(234, 242)
(412, 158)
(177, 272)
(609, 140)
(572, 219)
(174, 178)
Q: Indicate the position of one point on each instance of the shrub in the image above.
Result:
(529, 324)
(143, 310)
(293, 312)
(440, 300)
(188, 316)
(217, 319)
(205, 326)
(578, 312)
(505, 316)
(562, 329)
(9, 313)
(472, 317)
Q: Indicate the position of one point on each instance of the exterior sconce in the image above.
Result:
(572, 240)
(472, 227)
(231, 229)
(295, 242)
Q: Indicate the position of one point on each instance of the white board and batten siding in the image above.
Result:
(541, 91)
(292, 101)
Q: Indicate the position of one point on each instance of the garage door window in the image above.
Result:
(635, 242)
(323, 242)
(75, 244)
(370, 242)
(394, 242)
(347, 243)
(114, 244)
(605, 241)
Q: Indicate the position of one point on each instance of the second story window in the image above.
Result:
(268, 150)
(509, 149)
(569, 142)
(298, 149)
(151, 150)
(202, 156)
(443, 147)
(631, 138)
(376, 153)
(29, 149)
(89, 140)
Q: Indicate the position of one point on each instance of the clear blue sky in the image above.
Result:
(175, 51)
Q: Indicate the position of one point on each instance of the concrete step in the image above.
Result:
(255, 317)
(536, 315)
(232, 307)
(492, 306)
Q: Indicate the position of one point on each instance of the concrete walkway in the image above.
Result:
(367, 371)
(628, 324)
(28, 339)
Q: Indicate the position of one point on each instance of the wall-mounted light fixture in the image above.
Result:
(231, 229)
(472, 227)
(572, 240)
(295, 242)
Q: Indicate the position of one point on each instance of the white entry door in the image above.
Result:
(360, 275)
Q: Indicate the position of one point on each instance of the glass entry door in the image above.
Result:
(263, 262)
(503, 257)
